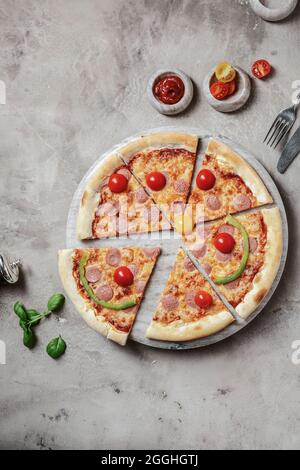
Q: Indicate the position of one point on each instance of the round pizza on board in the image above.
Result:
(107, 285)
(233, 244)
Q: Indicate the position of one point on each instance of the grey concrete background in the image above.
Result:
(76, 73)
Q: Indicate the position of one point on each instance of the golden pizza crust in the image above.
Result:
(65, 266)
(159, 140)
(181, 331)
(264, 279)
(226, 156)
(90, 199)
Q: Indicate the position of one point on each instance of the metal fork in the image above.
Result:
(282, 125)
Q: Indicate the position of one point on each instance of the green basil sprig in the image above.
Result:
(56, 347)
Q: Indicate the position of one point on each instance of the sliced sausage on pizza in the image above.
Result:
(107, 285)
(163, 163)
(114, 203)
(188, 308)
(241, 254)
(225, 184)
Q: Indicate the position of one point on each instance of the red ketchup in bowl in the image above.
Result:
(169, 89)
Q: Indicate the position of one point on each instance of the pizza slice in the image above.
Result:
(114, 204)
(163, 163)
(241, 254)
(107, 285)
(188, 308)
(225, 184)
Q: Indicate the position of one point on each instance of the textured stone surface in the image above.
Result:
(76, 73)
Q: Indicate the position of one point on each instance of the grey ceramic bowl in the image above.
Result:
(234, 102)
(170, 109)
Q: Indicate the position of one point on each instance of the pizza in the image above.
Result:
(225, 184)
(163, 163)
(115, 204)
(188, 308)
(241, 255)
(107, 285)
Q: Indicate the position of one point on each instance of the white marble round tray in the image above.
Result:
(234, 102)
(170, 245)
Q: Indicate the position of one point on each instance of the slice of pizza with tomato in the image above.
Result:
(241, 254)
(163, 163)
(107, 285)
(225, 184)
(115, 204)
(188, 308)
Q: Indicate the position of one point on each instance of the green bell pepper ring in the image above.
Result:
(91, 294)
(232, 277)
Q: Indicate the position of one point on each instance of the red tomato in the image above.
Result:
(156, 181)
(219, 90)
(117, 183)
(205, 180)
(123, 276)
(224, 242)
(261, 68)
(203, 299)
(232, 88)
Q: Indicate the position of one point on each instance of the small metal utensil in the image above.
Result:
(282, 124)
(290, 152)
(9, 271)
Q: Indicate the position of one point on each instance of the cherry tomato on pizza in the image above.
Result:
(118, 183)
(123, 276)
(220, 90)
(156, 181)
(203, 299)
(205, 180)
(224, 242)
(261, 68)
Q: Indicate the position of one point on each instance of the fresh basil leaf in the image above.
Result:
(56, 302)
(20, 311)
(56, 347)
(23, 324)
(28, 338)
(33, 316)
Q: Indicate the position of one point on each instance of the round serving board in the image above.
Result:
(170, 243)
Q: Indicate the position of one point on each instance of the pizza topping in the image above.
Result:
(190, 299)
(242, 202)
(169, 89)
(213, 203)
(200, 252)
(203, 299)
(141, 196)
(122, 225)
(233, 284)
(226, 228)
(108, 208)
(207, 268)
(104, 292)
(223, 257)
(85, 284)
(133, 268)
(140, 286)
(205, 180)
(232, 277)
(188, 264)
(123, 276)
(151, 214)
(118, 183)
(253, 244)
(169, 302)
(128, 253)
(93, 273)
(152, 252)
(156, 181)
(113, 257)
(224, 242)
(183, 223)
(225, 72)
(125, 172)
(181, 186)
(261, 68)
(178, 207)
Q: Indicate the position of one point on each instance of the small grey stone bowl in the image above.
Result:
(170, 109)
(234, 102)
